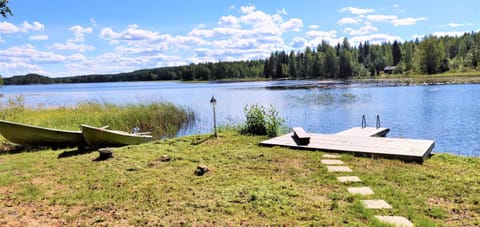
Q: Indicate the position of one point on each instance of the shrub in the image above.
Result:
(261, 121)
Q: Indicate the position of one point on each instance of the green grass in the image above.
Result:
(162, 119)
(246, 184)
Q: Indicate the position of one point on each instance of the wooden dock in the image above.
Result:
(365, 132)
(361, 143)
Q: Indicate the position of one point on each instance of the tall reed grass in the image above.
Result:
(162, 119)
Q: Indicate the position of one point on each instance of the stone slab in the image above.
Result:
(348, 179)
(332, 162)
(330, 156)
(360, 191)
(339, 169)
(376, 204)
(398, 221)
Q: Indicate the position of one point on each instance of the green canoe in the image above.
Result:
(101, 137)
(39, 136)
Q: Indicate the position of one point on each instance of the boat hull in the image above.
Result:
(39, 136)
(99, 137)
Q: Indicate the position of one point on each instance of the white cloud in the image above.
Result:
(454, 25)
(79, 33)
(28, 54)
(347, 20)
(108, 34)
(140, 49)
(355, 10)
(450, 33)
(282, 11)
(381, 18)
(7, 28)
(407, 21)
(260, 21)
(218, 32)
(374, 39)
(294, 24)
(254, 34)
(227, 21)
(367, 29)
(76, 58)
(316, 37)
(314, 26)
(36, 26)
(75, 43)
(298, 43)
(394, 19)
(132, 33)
(39, 37)
(18, 68)
(328, 34)
(72, 47)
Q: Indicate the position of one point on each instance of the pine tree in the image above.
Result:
(396, 53)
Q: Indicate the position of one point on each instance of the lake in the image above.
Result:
(449, 114)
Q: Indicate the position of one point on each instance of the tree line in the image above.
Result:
(431, 55)
(202, 71)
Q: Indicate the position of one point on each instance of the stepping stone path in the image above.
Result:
(360, 191)
(339, 169)
(332, 163)
(331, 156)
(349, 179)
(395, 220)
(376, 204)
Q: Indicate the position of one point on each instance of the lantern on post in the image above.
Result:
(213, 103)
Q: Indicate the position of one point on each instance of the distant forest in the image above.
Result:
(429, 56)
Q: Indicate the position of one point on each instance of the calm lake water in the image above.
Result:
(448, 114)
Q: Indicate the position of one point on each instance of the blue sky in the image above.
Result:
(75, 37)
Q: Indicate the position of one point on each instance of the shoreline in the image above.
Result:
(379, 82)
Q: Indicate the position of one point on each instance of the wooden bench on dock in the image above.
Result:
(300, 136)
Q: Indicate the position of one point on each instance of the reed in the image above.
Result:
(162, 119)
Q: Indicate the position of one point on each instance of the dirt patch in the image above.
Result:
(41, 214)
(456, 212)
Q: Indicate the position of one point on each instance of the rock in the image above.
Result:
(201, 170)
(105, 153)
(165, 158)
(105, 150)
(204, 168)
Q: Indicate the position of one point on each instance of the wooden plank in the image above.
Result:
(367, 132)
(406, 149)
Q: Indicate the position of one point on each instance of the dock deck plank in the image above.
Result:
(407, 149)
(367, 132)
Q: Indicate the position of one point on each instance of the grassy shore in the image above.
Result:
(246, 184)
